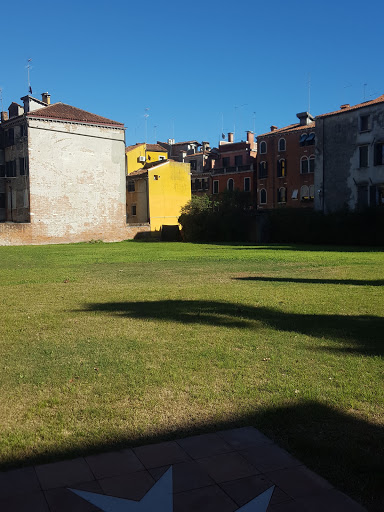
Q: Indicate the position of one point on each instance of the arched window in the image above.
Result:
(304, 193)
(230, 184)
(263, 196)
(310, 139)
(263, 169)
(311, 164)
(281, 168)
(281, 146)
(263, 147)
(282, 195)
(312, 192)
(304, 165)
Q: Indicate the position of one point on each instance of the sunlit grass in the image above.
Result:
(104, 344)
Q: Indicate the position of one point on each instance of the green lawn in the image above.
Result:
(109, 345)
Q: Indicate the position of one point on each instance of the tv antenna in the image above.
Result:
(1, 99)
(29, 67)
(155, 132)
(309, 92)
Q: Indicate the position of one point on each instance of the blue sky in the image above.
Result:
(199, 67)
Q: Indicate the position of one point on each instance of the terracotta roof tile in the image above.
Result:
(380, 99)
(155, 147)
(289, 128)
(61, 111)
(138, 172)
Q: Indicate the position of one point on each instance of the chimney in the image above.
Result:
(346, 105)
(305, 118)
(230, 137)
(46, 98)
(4, 116)
(250, 137)
(273, 128)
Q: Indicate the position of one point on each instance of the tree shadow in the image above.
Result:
(346, 450)
(309, 248)
(354, 282)
(363, 333)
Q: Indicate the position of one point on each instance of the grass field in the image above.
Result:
(105, 345)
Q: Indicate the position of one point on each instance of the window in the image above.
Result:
(362, 196)
(21, 166)
(282, 195)
(263, 147)
(263, 169)
(239, 160)
(226, 161)
(379, 153)
(281, 168)
(10, 137)
(312, 192)
(162, 157)
(205, 184)
(310, 140)
(198, 185)
(193, 165)
(304, 167)
(133, 210)
(230, 184)
(247, 184)
(312, 163)
(363, 156)
(295, 193)
(304, 193)
(131, 186)
(263, 196)
(2, 171)
(23, 130)
(10, 169)
(156, 177)
(303, 138)
(2, 200)
(215, 186)
(364, 123)
(281, 145)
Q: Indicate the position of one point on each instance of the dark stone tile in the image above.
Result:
(331, 501)
(245, 437)
(63, 474)
(246, 489)
(114, 463)
(228, 466)
(18, 481)
(25, 503)
(62, 499)
(186, 476)
(131, 487)
(299, 481)
(161, 454)
(269, 457)
(204, 445)
(205, 499)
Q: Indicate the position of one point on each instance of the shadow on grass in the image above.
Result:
(309, 248)
(347, 451)
(360, 333)
(354, 282)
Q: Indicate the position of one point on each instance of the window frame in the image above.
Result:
(215, 184)
(302, 169)
(279, 148)
(233, 184)
(247, 179)
(365, 127)
(282, 168)
(262, 145)
(263, 169)
(304, 193)
(311, 168)
(363, 156)
(260, 196)
(282, 196)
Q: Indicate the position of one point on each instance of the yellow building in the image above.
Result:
(156, 193)
(140, 154)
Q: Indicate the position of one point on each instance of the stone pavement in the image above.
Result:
(217, 472)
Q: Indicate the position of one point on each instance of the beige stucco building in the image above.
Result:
(62, 175)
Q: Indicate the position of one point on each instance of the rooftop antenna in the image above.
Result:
(155, 133)
(1, 99)
(29, 67)
(309, 92)
(146, 115)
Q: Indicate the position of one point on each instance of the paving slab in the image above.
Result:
(223, 471)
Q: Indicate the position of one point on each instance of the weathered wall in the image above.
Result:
(25, 234)
(138, 198)
(77, 184)
(338, 174)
